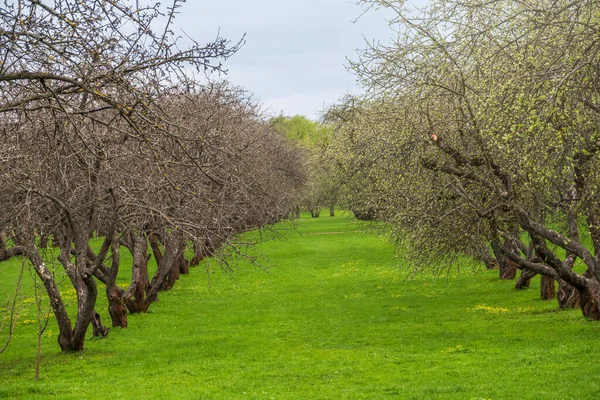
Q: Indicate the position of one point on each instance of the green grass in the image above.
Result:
(333, 317)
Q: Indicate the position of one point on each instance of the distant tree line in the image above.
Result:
(323, 187)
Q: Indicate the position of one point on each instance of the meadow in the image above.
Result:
(332, 316)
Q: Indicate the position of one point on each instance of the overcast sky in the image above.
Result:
(294, 59)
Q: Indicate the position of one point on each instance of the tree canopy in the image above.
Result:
(107, 132)
(481, 123)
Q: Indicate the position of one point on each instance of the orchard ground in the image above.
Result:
(333, 316)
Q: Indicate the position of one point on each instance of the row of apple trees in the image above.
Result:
(479, 134)
(106, 132)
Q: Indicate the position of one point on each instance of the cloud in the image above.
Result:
(295, 52)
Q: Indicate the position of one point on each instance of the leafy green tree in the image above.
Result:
(481, 126)
(322, 186)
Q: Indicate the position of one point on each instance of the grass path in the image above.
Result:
(331, 318)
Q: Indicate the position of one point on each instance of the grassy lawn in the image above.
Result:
(332, 317)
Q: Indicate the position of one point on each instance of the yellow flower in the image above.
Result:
(488, 309)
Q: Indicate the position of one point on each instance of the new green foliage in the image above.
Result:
(323, 185)
(481, 122)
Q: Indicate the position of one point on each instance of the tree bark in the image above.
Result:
(85, 287)
(184, 266)
(65, 330)
(508, 270)
(507, 267)
(116, 306)
(525, 279)
(176, 253)
(209, 248)
(198, 254)
(160, 280)
(135, 296)
(155, 245)
(98, 330)
(547, 288)
(488, 259)
(589, 300)
(2, 243)
(567, 295)
(172, 276)
(115, 295)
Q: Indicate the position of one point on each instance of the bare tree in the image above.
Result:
(77, 79)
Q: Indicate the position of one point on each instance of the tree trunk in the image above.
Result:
(488, 259)
(65, 330)
(176, 250)
(209, 248)
(547, 288)
(135, 296)
(507, 267)
(198, 254)
(508, 270)
(172, 276)
(172, 264)
(161, 281)
(589, 300)
(156, 250)
(87, 293)
(2, 243)
(184, 266)
(332, 210)
(491, 263)
(69, 338)
(315, 212)
(524, 279)
(115, 295)
(98, 330)
(568, 296)
(365, 214)
(116, 306)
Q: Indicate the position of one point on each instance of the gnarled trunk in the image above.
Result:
(175, 248)
(135, 296)
(98, 330)
(115, 295)
(315, 212)
(507, 267)
(116, 306)
(508, 270)
(85, 287)
(490, 262)
(184, 265)
(198, 254)
(589, 301)
(525, 279)
(65, 329)
(567, 295)
(547, 288)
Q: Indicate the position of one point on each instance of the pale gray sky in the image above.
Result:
(295, 53)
